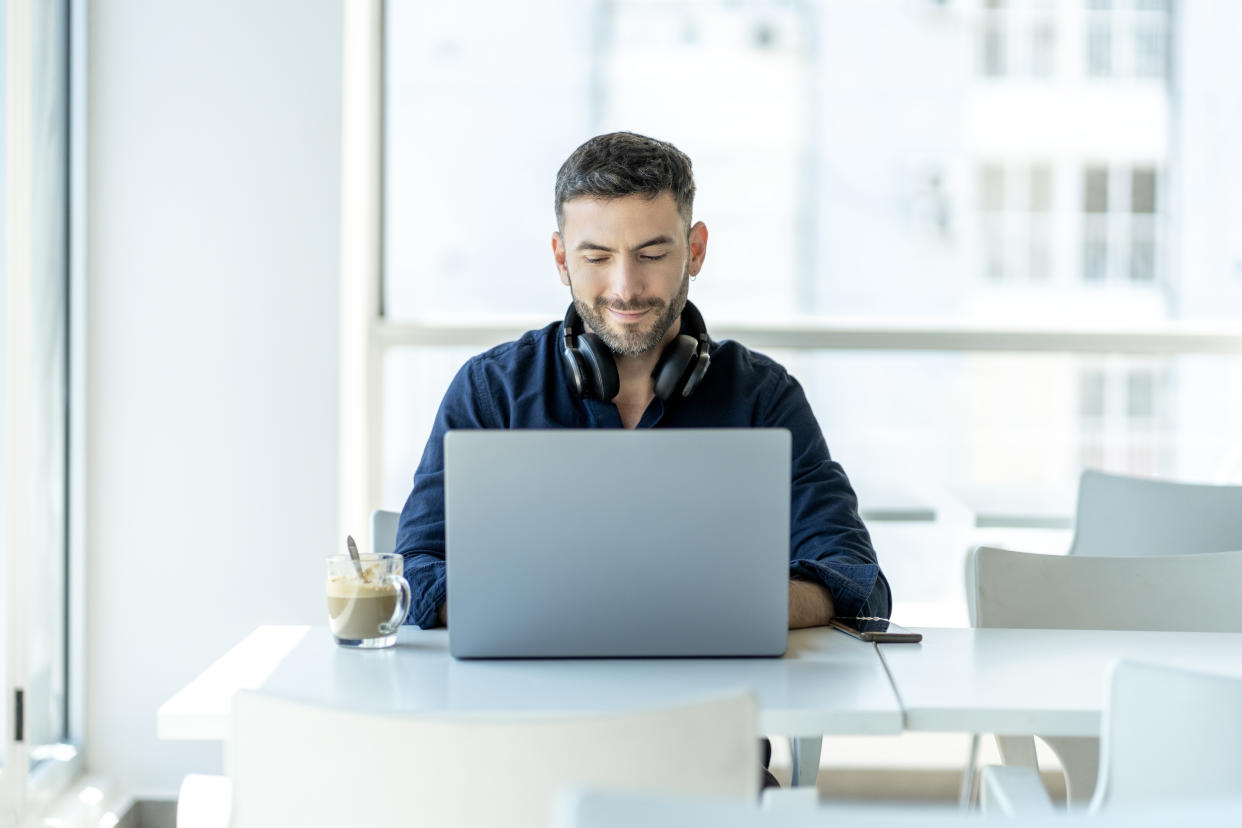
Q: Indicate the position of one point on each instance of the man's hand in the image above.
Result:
(810, 605)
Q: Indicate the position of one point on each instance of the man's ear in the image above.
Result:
(558, 254)
(698, 247)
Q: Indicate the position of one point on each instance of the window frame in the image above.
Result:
(27, 788)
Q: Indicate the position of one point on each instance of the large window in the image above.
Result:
(957, 223)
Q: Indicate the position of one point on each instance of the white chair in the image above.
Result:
(1192, 593)
(294, 763)
(384, 530)
(1122, 515)
(1167, 592)
(1170, 737)
(1135, 516)
(1169, 733)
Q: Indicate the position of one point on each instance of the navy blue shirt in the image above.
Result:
(522, 384)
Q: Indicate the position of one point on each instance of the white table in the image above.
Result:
(827, 683)
(1023, 682)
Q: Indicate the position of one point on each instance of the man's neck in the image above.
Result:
(637, 389)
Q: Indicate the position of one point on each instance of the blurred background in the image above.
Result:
(914, 205)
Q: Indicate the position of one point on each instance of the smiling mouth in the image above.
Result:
(629, 316)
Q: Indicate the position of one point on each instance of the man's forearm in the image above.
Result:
(810, 605)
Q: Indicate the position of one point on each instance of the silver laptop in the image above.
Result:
(606, 543)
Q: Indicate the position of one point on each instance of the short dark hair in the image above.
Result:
(625, 163)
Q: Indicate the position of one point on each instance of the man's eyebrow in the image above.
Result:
(590, 245)
(653, 242)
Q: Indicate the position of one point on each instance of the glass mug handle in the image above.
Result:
(403, 605)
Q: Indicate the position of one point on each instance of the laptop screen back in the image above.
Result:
(564, 543)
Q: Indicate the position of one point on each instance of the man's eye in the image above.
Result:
(647, 257)
(595, 260)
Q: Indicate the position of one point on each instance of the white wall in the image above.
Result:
(212, 349)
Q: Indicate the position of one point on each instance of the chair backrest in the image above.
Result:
(1137, 516)
(294, 763)
(1169, 735)
(1166, 592)
(384, 530)
(1123, 516)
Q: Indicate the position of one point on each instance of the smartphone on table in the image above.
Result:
(878, 630)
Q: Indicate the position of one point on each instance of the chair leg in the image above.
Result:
(804, 752)
(966, 791)
(1017, 750)
(1080, 759)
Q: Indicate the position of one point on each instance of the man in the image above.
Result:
(633, 353)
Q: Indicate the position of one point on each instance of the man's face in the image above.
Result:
(628, 263)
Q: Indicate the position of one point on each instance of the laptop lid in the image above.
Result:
(607, 543)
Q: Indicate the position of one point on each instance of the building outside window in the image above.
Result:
(1127, 38)
(1121, 229)
(1018, 39)
(861, 166)
(1123, 416)
(1016, 222)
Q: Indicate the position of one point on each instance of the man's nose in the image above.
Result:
(627, 283)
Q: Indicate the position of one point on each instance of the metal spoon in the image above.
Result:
(353, 553)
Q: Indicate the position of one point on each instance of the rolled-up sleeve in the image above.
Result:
(829, 544)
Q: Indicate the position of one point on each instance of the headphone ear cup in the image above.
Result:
(575, 370)
(702, 362)
(601, 370)
(670, 372)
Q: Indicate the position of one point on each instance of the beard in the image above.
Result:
(632, 340)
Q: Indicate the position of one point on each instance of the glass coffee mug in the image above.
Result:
(367, 610)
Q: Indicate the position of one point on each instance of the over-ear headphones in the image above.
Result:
(592, 373)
